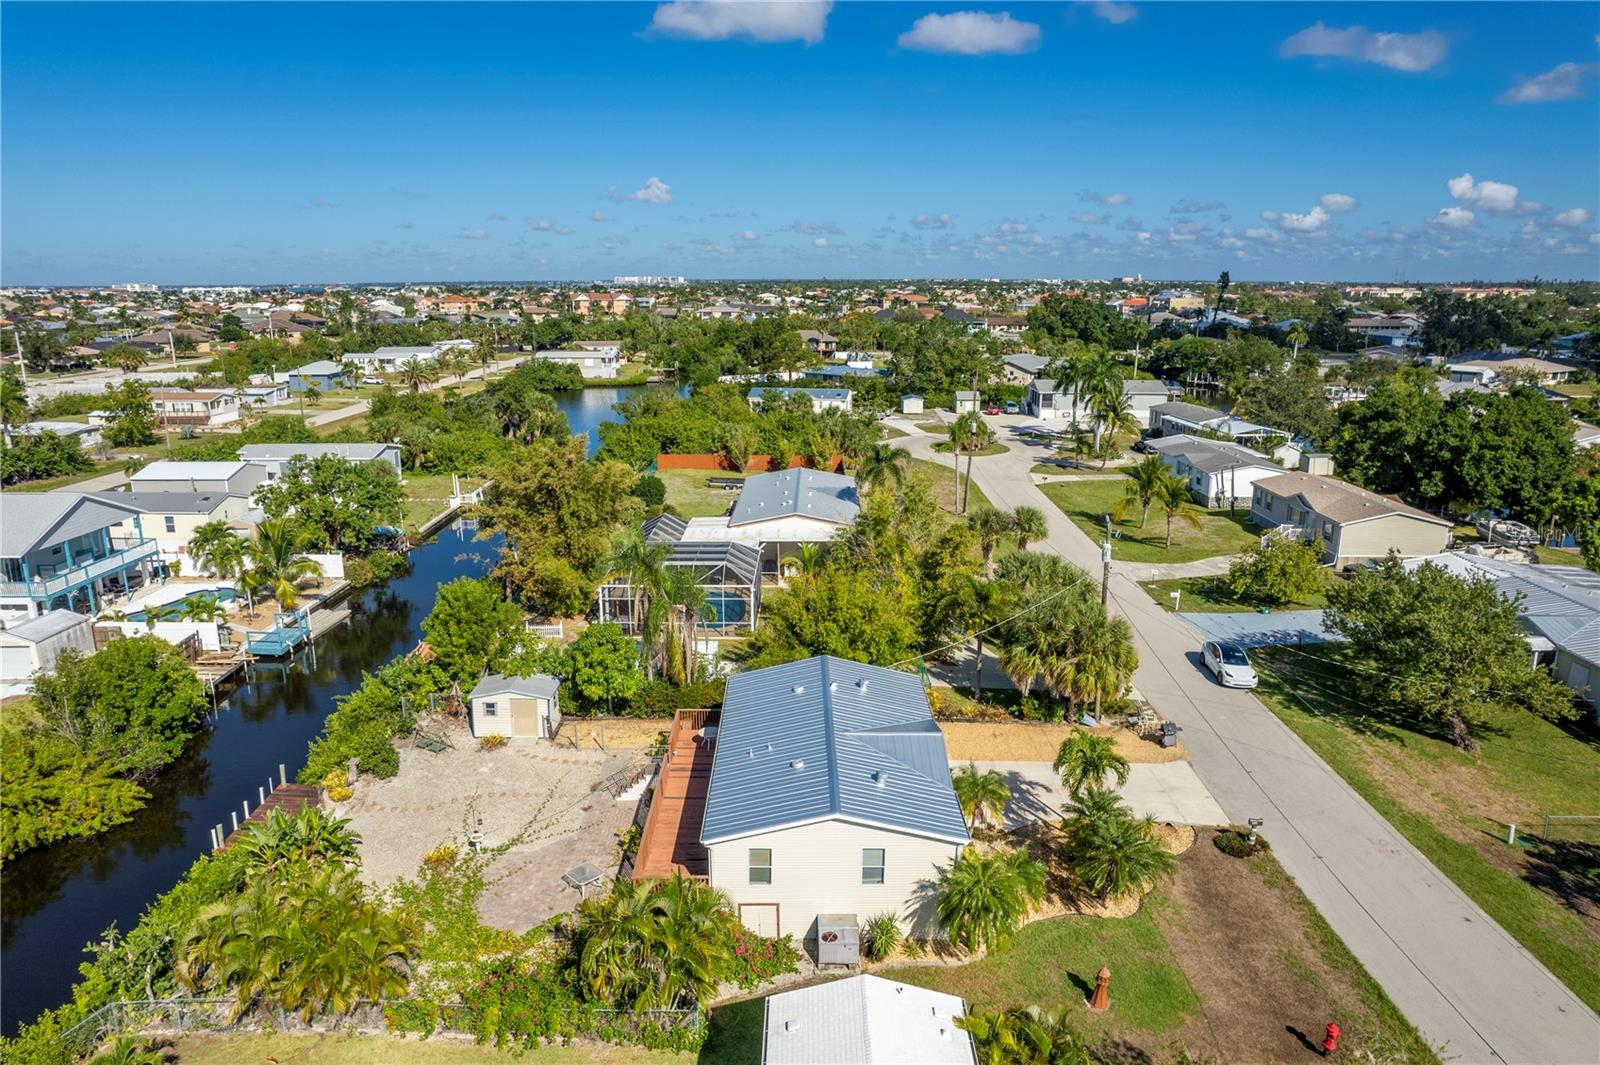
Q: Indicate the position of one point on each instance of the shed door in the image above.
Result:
(760, 917)
(526, 717)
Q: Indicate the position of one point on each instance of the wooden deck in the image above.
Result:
(290, 798)
(671, 842)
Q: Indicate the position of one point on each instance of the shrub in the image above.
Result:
(628, 841)
(337, 786)
(1234, 841)
(882, 936)
(651, 489)
(491, 743)
(757, 959)
(441, 856)
(658, 698)
(1277, 571)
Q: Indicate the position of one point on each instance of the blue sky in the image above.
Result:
(252, 144)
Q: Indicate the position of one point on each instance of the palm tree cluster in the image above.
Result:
(303, 935)
(1094, 378)
(1085, 760)
(1152, 483)
(668, 602)
(983, 898)
(272, 561)
(1028, 1036)
(1110, 852)
(882, 463)
(993, 527)
(663, 944)
(1060, 634)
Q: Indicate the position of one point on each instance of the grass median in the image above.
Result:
(1087, 502)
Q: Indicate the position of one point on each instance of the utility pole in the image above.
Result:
(1105, 563)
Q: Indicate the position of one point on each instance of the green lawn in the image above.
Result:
(936, 428)
(1052, 964)
(995, 448)
(427, 494)
(1455, 807)
(891, 433)
(100, 470)
(688, 491)
(1066, 466)
(376, 1050)
(1210, 595)
(944, 484)
(1086, 503)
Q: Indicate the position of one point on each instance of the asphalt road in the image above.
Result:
(1457, 975)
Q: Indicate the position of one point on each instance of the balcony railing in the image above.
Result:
(125, 553)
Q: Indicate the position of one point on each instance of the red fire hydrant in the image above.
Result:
(1330, 1039)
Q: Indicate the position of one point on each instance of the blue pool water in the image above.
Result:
(221, 595)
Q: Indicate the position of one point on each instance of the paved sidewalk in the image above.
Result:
(1456, 974)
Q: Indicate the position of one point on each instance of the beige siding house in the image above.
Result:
(1355, 525)
(829, 793)
(516, 707)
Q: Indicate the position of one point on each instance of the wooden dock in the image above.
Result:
(216, 667)
(290, 798)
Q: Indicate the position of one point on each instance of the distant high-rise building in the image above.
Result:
(135, 287)
(622, 280)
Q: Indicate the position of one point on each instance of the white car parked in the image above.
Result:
(1229, 664)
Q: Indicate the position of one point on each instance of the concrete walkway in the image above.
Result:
(1162, 571)
(1456, 974)
(1168, 791)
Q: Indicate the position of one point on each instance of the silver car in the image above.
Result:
(1229, 664)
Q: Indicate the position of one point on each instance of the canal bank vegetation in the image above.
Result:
(74, 757)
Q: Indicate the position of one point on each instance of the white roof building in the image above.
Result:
(865, 1020)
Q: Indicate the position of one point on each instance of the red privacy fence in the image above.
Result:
(757, 463)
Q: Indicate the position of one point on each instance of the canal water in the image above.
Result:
(56, 899)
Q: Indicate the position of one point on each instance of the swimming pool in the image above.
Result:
(221, 595)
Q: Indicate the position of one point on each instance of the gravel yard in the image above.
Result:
(1029, 741)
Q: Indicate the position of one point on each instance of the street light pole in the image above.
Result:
(1105, 562)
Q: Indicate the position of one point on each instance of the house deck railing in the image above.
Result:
(126, 553)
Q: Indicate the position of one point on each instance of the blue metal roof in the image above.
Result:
(828, 738)
(799, 492)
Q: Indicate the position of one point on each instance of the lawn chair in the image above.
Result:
(430, 741)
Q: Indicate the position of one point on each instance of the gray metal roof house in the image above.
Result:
(276, 457)
(797, 493)
(829, 793)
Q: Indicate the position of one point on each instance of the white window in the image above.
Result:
(872, 865)
(760, 865)
(171, 523)
(488, 709)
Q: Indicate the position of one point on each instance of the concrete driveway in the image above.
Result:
(1249, 629)
(1168, 791)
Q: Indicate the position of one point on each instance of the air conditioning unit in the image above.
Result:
(838, 939)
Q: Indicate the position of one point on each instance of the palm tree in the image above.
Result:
(1093, 804)
(216, 547)
(156, 613)
(882, 463)
(991, 526)
(1115, 856)
(250, 583)
(128, 1050)
(1297, 336)
(1103, 659)
(1027, 525)
(1144, 482)
(1085, 760)
(13, 398)
(807, 561)
(1071, 373)
(642, 563)
(1113, 414)
(1175, 503)
(205, 609)
(416, 374)
(349, 372)
(312, 394)
(277, 554)
(983, 796)
(983, 898)
(484, 350)
(683, 590)
(309, 837)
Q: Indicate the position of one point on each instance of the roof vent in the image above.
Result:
(791, 1026)
(798, 764)
(879, 777)
(862, 684)
(799, 689)
(833, 685)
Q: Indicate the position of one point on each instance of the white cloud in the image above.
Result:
(1407, 52)
(721, 20)
(543, 225)
(1188, 205)
(655, 191)
(971, 33)
(1594, 238)
(811, 228)
(1576, 218)
(1309, 222)
(820, 242)
(1338, 203)
(931, 221)
(1089, 218)
(1565, 81)
(1452, 218)
(1110, 199)
(598, 216)
(1493, 196)
(748, 234)
(1009, 228)
(472, 234)
(1113, 12)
